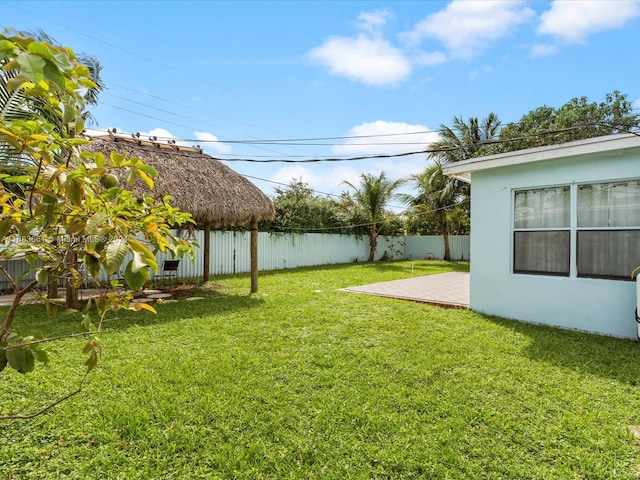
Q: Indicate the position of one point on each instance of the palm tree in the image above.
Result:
(462, 141)
(438, 196)
(373, 195)
(15, 105)
(465, 140)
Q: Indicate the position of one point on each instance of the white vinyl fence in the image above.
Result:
(230, 252)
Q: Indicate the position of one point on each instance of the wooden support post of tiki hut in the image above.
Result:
(207, 252)
(254, 256)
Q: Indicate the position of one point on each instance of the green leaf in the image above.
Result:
(69, 113)
(17, 82)
(26, 179)
(53, 75)
(32, 66)
(75, 191)
(138, 262)
(93, 265)
(40, 49)
(17, 358)
(149, 257)
(6, 47)
(92, 361)
(51, 309)
(96, 221)
(116, 251)
(135, 280)
(42, 276)
(40, 355)
(5, 226)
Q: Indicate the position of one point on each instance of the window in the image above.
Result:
(608, 233)
(542, 235)
(604, 225)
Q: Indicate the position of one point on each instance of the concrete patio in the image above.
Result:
(444, 289)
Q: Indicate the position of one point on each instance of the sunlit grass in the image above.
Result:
(304, 381)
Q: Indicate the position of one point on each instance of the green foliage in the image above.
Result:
(307, 382)
(66, 212)
(372, 196)
(300, 210)
(575, 120)
(464, 140)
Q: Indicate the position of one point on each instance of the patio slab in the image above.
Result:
(444, 289)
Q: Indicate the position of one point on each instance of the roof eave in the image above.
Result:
(609, 144)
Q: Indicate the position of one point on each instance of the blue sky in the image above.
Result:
(244, 71)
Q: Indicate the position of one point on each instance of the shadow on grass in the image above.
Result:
(607, 357)
(33, 318)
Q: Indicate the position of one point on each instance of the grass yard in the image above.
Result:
(302, 381)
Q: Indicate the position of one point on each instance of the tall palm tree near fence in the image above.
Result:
(436, 195)
(373, 195)
(438, 192)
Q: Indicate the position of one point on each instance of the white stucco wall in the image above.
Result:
(595, 305)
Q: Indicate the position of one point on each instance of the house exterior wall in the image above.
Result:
(594, 305)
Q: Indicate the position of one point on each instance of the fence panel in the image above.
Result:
(230, 252)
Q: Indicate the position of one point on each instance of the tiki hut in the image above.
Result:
(214, 194)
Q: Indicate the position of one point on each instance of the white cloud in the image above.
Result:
(372, 61)
(574, 21)
(327, 178)
(468, 27)
(543, 50)
(428, 59)
(373, 21)
(161, 134)
(211, 144)
(330, 178)
(390, 137)
(208, 140)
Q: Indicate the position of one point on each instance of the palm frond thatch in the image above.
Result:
(199, 184)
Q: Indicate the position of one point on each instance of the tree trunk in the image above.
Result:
(444, 229)
(71, 259)
(207, 252)
(373, 243)
(254, 256)
(52, 285)
(447, 250)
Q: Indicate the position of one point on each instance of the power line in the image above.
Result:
(397, 155)
(129, 52)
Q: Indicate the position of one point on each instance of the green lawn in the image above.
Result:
(303, 381)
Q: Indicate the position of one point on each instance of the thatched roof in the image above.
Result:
(199, 184)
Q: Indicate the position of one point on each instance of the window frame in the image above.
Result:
(540, 229)
(574, 232)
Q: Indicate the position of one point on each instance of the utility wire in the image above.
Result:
(426, 151)
(298, 141)
(117, 47)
